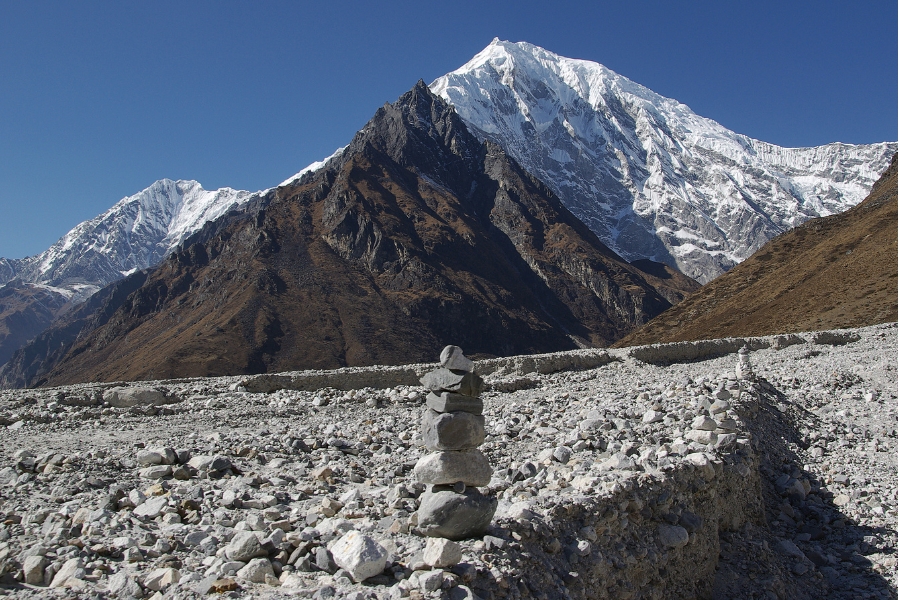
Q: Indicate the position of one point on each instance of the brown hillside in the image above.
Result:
(834, 272)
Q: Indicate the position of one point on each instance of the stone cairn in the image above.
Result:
(743, 369)
(453, 428)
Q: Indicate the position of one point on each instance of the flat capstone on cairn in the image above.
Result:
(453, 429)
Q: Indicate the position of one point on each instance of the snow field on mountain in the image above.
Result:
(627, 161)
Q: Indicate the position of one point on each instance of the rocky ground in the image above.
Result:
(630, 480)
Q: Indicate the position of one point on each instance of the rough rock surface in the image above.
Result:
(795, 499)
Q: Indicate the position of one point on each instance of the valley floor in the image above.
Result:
(608, 484)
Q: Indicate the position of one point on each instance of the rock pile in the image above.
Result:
(744, 370)
(453, 429)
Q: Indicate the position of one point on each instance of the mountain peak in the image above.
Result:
(421, 131)
(649, 176)
(135, 233)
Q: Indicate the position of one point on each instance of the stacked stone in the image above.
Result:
(453, 428)
(744, 370)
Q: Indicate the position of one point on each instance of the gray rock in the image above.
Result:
(209, 463)
(125, 397)
(702, 437)
(324, 592)
(673, 536)
(455, 516)
(445, 380)
(256, 570)
(726, 440)
(727, 425)
(719, 406)
(244, 546)
(157, 456)
(132, 554)
(562, 454)
(653, 416)
(360, 555)
(194, 538)
(69, 569)
(442, 553)
(8, 475)
(704, 423)
(452, 358)
(722, 394)
(452, 430)
(123, 585)
(149, 458)
(690, 521)
(152, 507)
(430, 581)
(33, 569)
(461, 592)
(155, 472)
(528, 469)
(160, 579)
(123, 542)
(231, 568)
(446, 402)
(619, 461)
(325, 560)
(446, 468)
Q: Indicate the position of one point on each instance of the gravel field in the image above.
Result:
(672, 478)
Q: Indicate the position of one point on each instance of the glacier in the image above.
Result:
(649, 176)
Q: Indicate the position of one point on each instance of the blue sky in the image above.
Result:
(100, 99)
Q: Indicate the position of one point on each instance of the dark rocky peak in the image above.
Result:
(423, 133)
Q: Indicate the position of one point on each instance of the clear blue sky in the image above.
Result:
(100, 99)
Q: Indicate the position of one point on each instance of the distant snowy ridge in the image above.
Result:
(311, 167)
(650, 177)
(136, 233)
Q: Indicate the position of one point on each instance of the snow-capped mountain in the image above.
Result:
(647, 175)
(137, 232)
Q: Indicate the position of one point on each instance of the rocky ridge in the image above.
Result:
(647, 175)
(655, 468)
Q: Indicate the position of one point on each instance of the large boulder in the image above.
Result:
(125, 397)
(455, 516)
